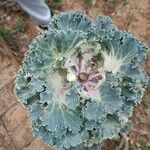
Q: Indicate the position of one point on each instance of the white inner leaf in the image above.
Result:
(56, 82)
(111, 62)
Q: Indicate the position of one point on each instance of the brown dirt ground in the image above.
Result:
(132, 15)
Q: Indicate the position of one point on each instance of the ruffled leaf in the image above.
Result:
(74, 20)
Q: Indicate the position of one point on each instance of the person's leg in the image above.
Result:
(38, 10)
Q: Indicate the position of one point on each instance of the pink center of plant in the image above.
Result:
(87, 77)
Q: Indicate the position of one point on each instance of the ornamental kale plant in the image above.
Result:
(80, 81)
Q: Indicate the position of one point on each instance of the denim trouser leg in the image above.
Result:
(37, 9)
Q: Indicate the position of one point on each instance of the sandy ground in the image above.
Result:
(15, 133)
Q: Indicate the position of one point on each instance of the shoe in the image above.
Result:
(46, 27)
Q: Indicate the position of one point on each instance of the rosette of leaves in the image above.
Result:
(80, 81)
